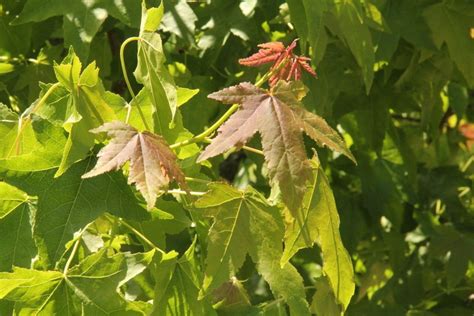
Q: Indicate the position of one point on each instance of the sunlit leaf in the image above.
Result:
(152, 164)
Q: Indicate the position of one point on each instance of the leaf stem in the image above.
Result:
(127, 81)
(176, 191)
(136, 232)
(74, 248)
(196, 180)
(209, 131)
(22, 124)
(122, 62)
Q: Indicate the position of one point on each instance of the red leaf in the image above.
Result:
(276, 53)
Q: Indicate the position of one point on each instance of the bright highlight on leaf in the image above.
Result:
(152, 163)
(280, 119)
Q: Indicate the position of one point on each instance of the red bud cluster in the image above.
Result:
(278, 54)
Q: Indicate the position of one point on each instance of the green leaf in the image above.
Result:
(16, 245)
(453, 27)
(244, 224)
(405, 19)
(81, 19)
(179, 19)
(90, 287)
(91, 104)
(357, 36)
(318, 221)
(6, 68)
(10, 198)
(185, 94)
(324, 303)
(68, 203)
(151, 70)
(308, 17)
(35, 145)
(178, 283)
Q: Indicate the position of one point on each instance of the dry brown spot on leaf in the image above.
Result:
(152, 163)
(280, 119)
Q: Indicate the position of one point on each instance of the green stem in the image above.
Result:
(74, 249)
(122, 62)
(23, 124)
(209, 131)
(189, 179)
(140, 235)
(127, 81)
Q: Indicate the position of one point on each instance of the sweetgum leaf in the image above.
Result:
(318, 222)
(90, 288)
(280, 119)
(152, 163)
(16, 245)
(82, 19)
(90, 107)
(244, 223)
(68, 203)
(30, 144)
(177, 285)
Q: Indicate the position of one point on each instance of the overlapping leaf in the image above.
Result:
(152, 163)
(244, 223)
(280, 119)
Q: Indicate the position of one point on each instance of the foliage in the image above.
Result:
(227, 228)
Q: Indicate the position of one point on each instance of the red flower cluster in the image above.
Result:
(277, 53)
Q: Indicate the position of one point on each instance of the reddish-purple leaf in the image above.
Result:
(276, 53)
(152, 163)
(280, 119)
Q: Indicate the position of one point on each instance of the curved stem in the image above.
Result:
(208, 131)
(127, 81)
(122, 62)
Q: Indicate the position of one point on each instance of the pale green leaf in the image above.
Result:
(318, 221)
(34, 145)
(179, 19)
(10, 198)
(185, 94)
(6, 68)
